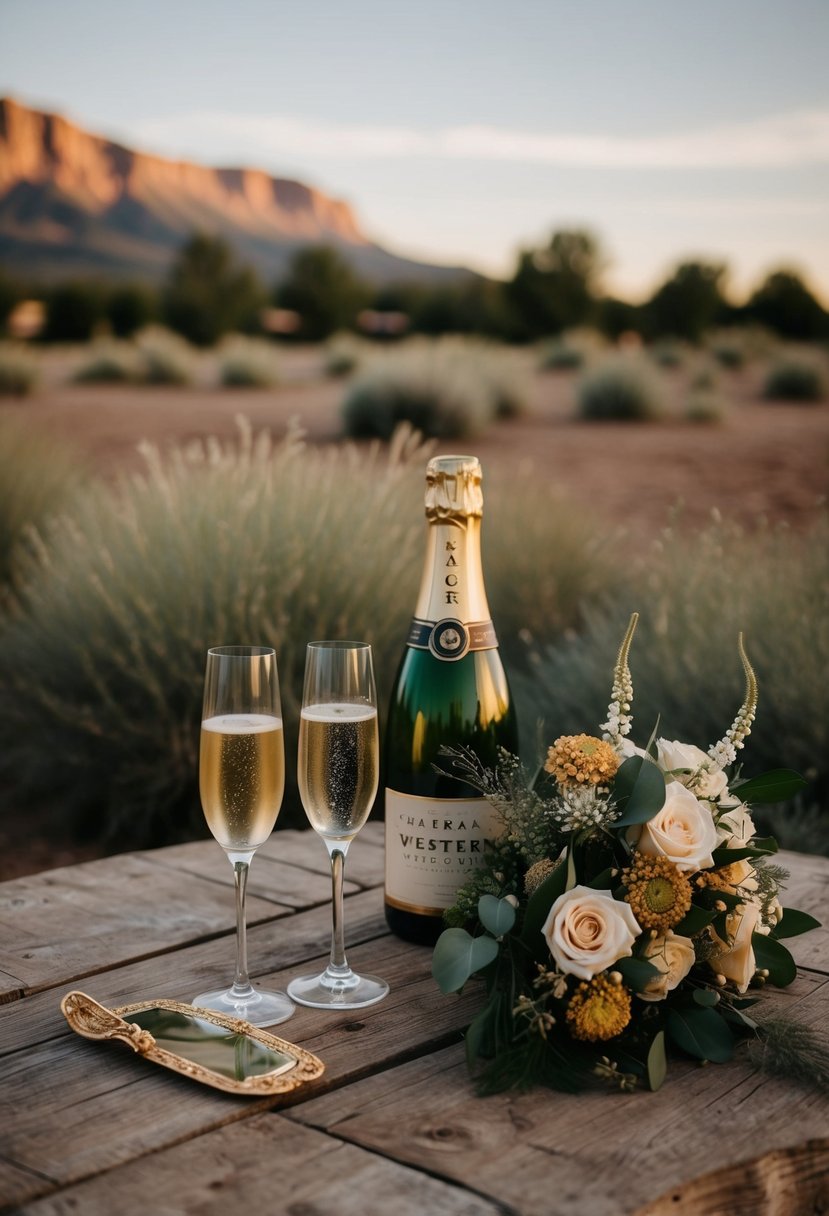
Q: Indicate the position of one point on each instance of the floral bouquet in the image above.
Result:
(627, 902)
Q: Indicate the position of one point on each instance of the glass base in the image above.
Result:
(330, 990)
(258, 1007)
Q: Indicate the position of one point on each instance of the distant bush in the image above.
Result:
(165, 357)
(39, 476)
(795, 380)
(448, 389)
(731, 350)
(344, 353)
(111, 362)
(695, 595)
(103, 662)
(705, 406)
(130, 308)
(623, 388)
(19, 372)
(668, 354)
(560, 356)
(248, 363)
(73, 312)
(208, 293)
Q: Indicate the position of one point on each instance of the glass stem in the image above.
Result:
(338, 963)
(242, 986)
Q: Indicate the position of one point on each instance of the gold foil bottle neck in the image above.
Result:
(453, 488)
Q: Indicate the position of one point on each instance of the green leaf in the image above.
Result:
(694, 921)
(706, 997)
(724, 856)
(701, 1033)
(539, 905)
(571, 869)
(650, 747)
(602, 882)
(775, 786)
(732, 1014)
(657, 1063)
(458, 955)
(638, 790)
(478, 1039)
(497, 915)
(771, 956)
(793, 923)
(636, 972)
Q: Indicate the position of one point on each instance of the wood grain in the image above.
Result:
(264, 1165)
(364, 864)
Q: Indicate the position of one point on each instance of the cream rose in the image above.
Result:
(674, 956)
(589, 930)
(736, 961)
(683, 831)
(673, 756)
(735, 827)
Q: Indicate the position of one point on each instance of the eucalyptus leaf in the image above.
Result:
(794, 923)
(458, 955)
(478, 1040)
(638, 790)
(694, 921)
(636, 972)
(706, 997)
(657, 1062)
(770, 955)
(496, 915)
(702, 1033)
(774, 786)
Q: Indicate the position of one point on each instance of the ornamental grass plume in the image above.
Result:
(599, 1009)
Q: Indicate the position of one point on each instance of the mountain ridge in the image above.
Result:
(77, 204)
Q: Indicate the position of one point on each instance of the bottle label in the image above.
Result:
(433, 845)
(450, 639)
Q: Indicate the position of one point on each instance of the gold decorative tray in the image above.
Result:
(221, 1051)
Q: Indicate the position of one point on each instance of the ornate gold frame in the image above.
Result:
(94, 1021)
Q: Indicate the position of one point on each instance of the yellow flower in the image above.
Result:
(581, 759)
(598, 1010)
(537, 873)
(657, 891)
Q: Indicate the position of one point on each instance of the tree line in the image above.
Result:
(208, 293)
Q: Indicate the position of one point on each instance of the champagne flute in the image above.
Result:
(338, 760)
(241, 781)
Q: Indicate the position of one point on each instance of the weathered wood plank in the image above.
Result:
(264, 1165)
(130, 1107)
(78, 920)
(270, 878)
(364, 864)
(17, 1184)
(284, 946)
(591, 1153)
(808, 890)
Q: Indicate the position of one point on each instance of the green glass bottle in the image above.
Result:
(450, 689)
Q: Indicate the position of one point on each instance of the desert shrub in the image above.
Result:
(19, 371)
(103, 662)
(343, 355)
(450, 388)
(622, 388)
(730, 348)
(705, 406)
(73, 312)
(561, 356)
(794, 379)
(130, 308)
(111, 363)
(248, 363)
(165, 357)
(695, 595)
(668, 354)
(39, 476)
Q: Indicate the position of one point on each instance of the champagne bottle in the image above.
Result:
(450, 689)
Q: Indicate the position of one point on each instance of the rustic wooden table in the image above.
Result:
(394, 1125)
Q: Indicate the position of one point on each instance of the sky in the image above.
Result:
(462, 131)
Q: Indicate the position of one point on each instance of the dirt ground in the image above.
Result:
(762, 461)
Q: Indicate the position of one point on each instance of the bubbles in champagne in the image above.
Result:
(241, 777)
(338, 766)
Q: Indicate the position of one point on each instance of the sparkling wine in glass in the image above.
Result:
(338, 761)
(241, 781)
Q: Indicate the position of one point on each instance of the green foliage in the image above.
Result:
(39, 477)
(555, 288)
(668, 354)
(449, 388)
(73, 312)
(731, 348)
(323, 289)
(19, 371)
(130, 308)
(705, 406)
(208, 294)
(11, 293)
(784, 304)
(688, 303)
(695, 594)
(344, 353)
(248, 363)
(561, 355)
(790, 1049)
(165, 357)
(622, 388)
(110, 362)
(794, 379)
